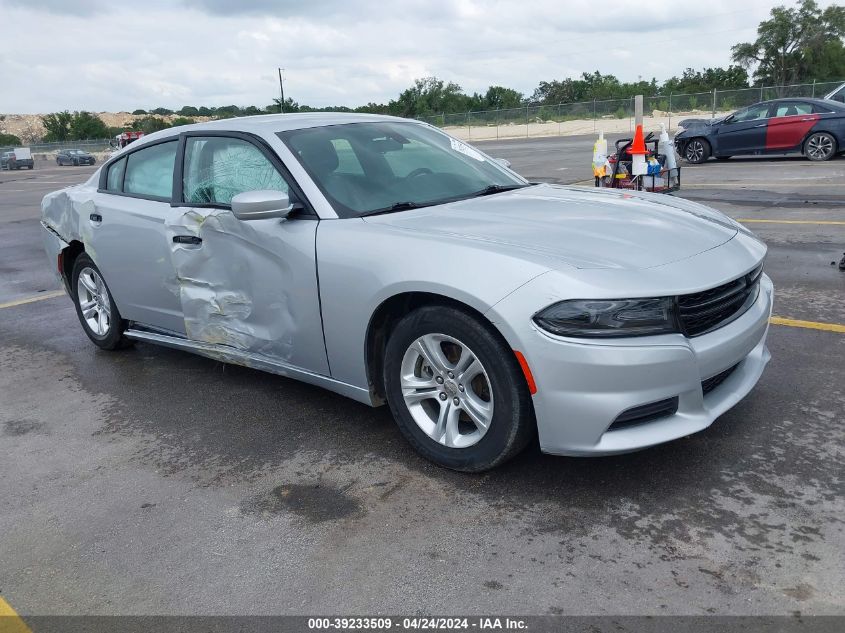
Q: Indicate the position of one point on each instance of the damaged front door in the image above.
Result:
(249, 285)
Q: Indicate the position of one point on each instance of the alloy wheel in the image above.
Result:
(819, 147)
(447, 390)
(93, 301)
(695, 151)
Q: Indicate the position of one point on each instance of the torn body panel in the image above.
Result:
(54, 246)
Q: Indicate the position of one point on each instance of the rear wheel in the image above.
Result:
(95, 307)
(456, 390)
(697, 151)
(820, 146)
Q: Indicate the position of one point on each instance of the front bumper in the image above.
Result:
(584, 386)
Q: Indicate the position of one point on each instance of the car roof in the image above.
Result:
(824, 102)
(263, 124)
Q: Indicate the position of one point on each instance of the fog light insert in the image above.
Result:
(645, 413)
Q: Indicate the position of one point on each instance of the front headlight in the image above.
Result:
(601, 318)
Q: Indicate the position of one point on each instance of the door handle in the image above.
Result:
(96, 218)
(187, 239)
(761, 125)
(808, 118)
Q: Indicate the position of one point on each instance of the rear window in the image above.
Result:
(149, 171)
(114, 179)
(793, 109)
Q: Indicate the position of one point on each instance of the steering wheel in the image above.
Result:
(419, 171)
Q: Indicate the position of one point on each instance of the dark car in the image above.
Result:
(813, 127)
(74, 157)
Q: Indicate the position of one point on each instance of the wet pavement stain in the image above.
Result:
(316, 503)
(22, 427)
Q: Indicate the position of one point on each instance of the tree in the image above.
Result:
(730, 78)
(84, 125)
(188, 111)
(161, 111)
(290, 105)
(204, 111)
(9, 139)
(139, 111)
(500, 98)
(181, 120)
(796, 45)
(429, 96)
(57, 125)
(150, 124)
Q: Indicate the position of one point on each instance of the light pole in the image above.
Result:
(282, 91)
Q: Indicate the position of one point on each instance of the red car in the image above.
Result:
(813, 127)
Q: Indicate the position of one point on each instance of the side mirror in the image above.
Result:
(729, 118)
(504, 162)
(262, 204)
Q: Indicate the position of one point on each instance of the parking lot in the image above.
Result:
(155, 481)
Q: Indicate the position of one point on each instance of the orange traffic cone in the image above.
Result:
(638, 146)
(638, 152)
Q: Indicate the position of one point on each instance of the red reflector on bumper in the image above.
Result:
(529, 378)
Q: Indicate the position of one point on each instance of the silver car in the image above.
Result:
(387, 261)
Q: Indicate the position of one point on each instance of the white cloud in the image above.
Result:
(101, 55)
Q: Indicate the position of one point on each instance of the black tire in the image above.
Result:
(30, 166)
(820, 146)
(113, 337)
(697, 151)
(512, 424)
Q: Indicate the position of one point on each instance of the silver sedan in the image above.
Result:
(387, 261)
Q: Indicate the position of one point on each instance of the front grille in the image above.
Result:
(703, 312)
(714, 381)
(645, 413)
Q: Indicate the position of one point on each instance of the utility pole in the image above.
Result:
(282, 91)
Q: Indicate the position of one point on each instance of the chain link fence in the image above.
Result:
(613, 115)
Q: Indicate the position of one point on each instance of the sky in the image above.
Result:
(112, 55)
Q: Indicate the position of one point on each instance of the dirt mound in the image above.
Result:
(30, 129)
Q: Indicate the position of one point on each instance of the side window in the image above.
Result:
(753, 113)
(218, 168)
(149, 171)
(793, 109)
(114, 179)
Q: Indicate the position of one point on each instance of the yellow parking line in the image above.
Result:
(813, 325)
(44, 295)
(10, 621)
(762, 221)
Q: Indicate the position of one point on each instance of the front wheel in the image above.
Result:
(697, 151)
(820, 146)
(456, 390)
(95, 307)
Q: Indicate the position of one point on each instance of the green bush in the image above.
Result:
(9, 139)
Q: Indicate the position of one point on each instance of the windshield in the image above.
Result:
(366, 168)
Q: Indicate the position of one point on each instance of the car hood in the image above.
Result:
(579, 227)
(691, 124)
